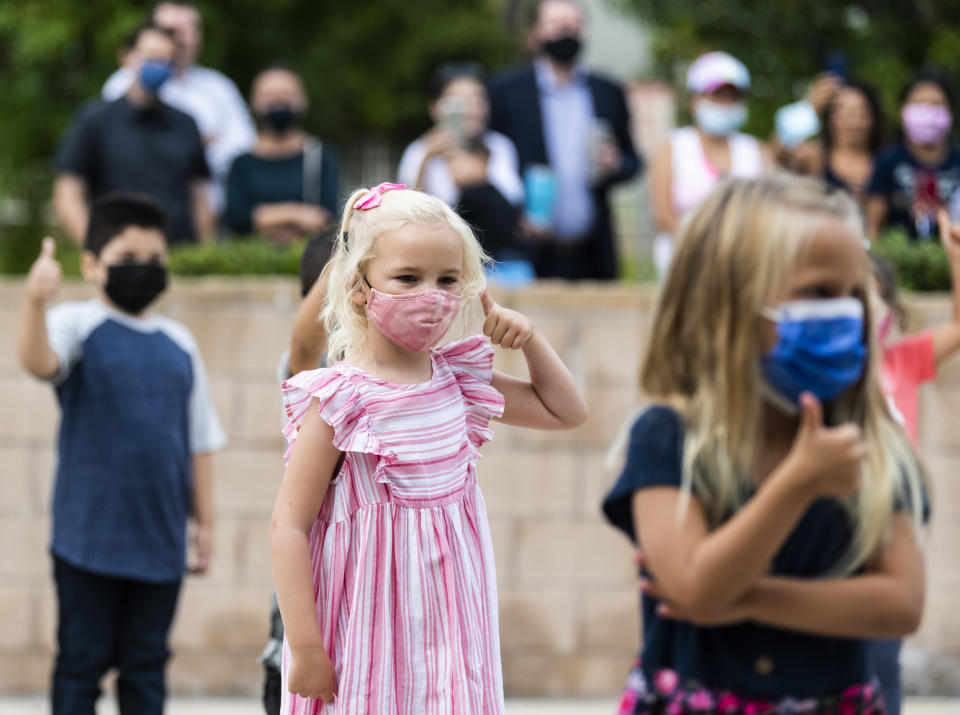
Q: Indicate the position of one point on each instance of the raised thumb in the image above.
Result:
(486, 302)
(812, 412)
(49, 248)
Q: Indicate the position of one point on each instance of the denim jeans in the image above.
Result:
(104, 622)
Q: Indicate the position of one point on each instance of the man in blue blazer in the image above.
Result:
(562, 117)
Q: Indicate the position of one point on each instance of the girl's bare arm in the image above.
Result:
(946, 337)
(551, 398)
(301, 495)
(886, 602)
(706, 572)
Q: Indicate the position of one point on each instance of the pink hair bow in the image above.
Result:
(372, 198)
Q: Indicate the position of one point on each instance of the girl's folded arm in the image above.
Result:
(301, 495)
(551, 398)
(705, 572)
(885, 602)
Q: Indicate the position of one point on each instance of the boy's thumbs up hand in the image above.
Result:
(507, 328)
(43, 281)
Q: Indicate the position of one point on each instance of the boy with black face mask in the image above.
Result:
(137, 429)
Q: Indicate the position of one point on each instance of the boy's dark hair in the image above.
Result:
(114, 213)
(889, 288)
(315, 256)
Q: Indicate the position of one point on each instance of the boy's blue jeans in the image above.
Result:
(105, 622)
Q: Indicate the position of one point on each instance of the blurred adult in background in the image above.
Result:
(465, 164)
(288, 185)
(139, 144)
(204, 93)
(571, 128)
(800, 121)
(921, 173)
(686, 167)
(851, 137)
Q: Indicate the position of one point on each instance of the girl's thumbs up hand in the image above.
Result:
(507, 328)
(826, 460)
(43, 281)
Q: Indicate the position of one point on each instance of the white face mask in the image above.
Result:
(719, 119)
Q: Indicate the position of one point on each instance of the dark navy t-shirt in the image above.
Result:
(739, 657)
(136, 407)
(901, 180)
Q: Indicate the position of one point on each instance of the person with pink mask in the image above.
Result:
(382, 558)
(688, 165)
(921, 173)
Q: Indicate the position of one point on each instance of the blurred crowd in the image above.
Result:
(528, 155)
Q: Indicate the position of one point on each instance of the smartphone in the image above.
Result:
(453, 117)
(837, 64)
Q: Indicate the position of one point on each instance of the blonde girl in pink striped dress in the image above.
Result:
(382, 556)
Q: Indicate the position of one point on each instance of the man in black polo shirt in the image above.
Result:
(136, 144)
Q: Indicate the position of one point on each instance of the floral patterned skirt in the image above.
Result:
(667, 695)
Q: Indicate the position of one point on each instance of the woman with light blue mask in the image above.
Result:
(690, 163)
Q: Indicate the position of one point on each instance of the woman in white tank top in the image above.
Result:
(687, 166)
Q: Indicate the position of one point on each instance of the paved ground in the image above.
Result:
(227, 706)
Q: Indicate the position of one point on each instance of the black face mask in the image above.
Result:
(563, 50)
(133, 286)
(280, 118)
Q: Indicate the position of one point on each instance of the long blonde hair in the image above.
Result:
(734, 254)
(356, 244)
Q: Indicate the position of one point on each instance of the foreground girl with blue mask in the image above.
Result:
(774, 498)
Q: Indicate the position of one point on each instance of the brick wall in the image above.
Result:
(568, 605)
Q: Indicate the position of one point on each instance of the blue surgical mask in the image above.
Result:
(719, 119)
(153, 73)
(819, 349)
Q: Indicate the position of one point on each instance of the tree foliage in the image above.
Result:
(785, 43)
(365, 65)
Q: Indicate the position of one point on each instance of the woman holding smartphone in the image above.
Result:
(463, 163)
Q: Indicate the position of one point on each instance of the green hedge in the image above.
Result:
(921, 266)
(251, 256)
(244, 257)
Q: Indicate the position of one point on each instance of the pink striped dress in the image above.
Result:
(403, 567)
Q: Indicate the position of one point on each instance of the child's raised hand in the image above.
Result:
(312, 674)
(507, 328)
(827, 459)
(949, 235)
(43, 281)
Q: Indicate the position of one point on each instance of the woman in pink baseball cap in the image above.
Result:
(686, 167)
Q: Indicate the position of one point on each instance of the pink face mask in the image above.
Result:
(414, 321)
(926, 124)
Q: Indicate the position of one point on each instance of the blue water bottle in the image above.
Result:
(540, 184)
